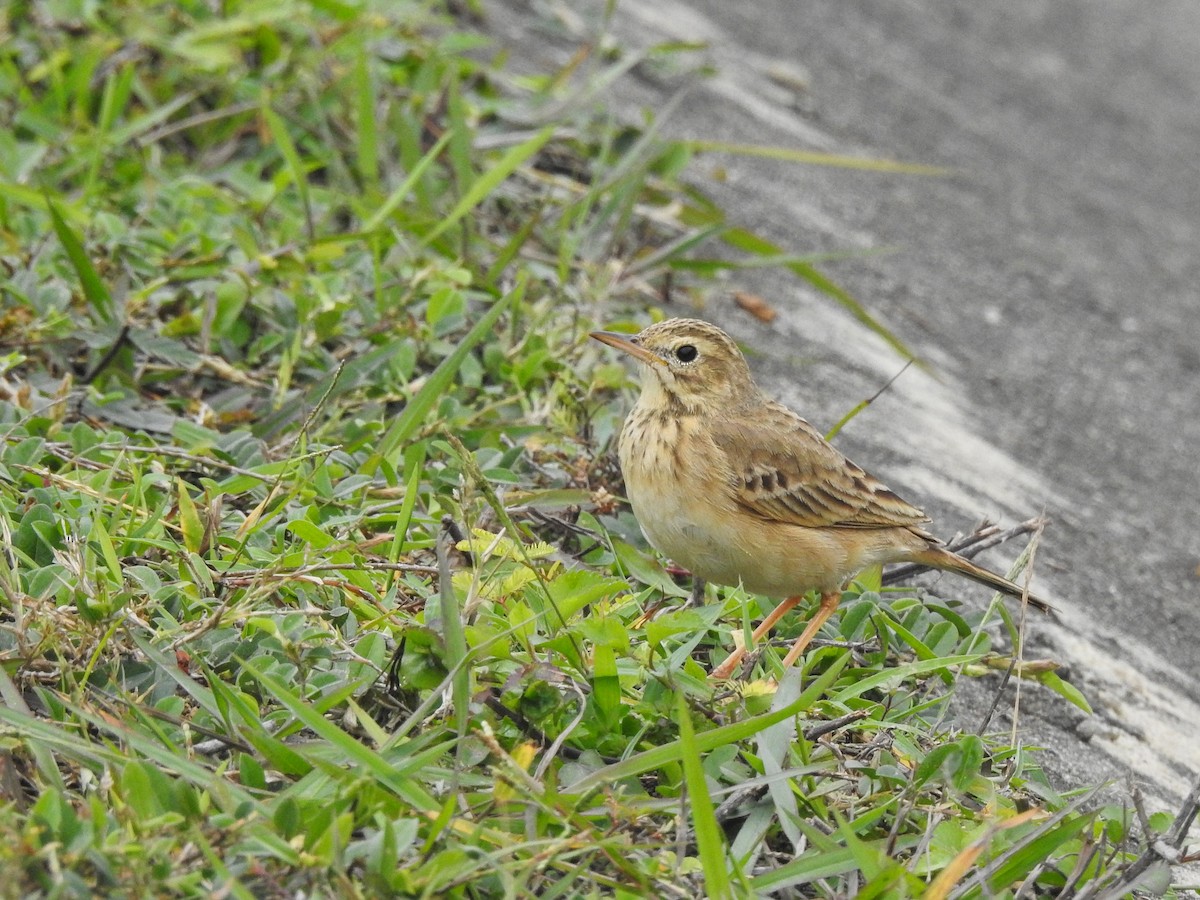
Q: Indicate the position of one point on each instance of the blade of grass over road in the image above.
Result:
(860, 406)
(813, 158)
(749, 242)
(318, 578)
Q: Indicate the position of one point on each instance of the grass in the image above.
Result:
(316, 582)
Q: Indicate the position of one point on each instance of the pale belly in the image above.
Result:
(792, 561)
(694, 521)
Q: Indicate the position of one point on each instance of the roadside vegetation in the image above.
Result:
(316, 578)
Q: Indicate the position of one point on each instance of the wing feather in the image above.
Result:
(785, 471)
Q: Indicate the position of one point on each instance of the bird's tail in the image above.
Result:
(939, 558)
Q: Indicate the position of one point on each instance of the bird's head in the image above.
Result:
(687, 363)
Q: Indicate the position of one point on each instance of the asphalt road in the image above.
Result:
(1051, 282)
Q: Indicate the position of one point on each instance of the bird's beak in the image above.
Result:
(621, 342)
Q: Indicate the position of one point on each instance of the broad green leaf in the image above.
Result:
(137, 791)
(522, 621)
(311, 534)
(1066, 690)
(571, 591)
(605, 631)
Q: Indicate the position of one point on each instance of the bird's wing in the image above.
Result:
(784, 470)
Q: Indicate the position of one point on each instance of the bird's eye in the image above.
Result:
(686, 353)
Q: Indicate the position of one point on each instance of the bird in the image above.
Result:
(739, 489)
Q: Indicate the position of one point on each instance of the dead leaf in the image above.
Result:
(755, 305)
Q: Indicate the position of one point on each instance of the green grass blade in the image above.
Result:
(43, 757)
(418, 407)
(1022, 857)
(367, 161)
(505, 257)
(414, 461)
(456, 641)
(94, 289)
(670, 252)
(774, 744)
(707, 740)
(709, 839)
(350, 750)
(900, 673)
(32, 198)
(706, 266)
(113, 100)
(97, 755)
(822, 863)
(486, 183)
(860, 406)
(404, 188)
(813, 158)
(752, 243)
(291, 156)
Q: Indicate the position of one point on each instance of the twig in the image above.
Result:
(1187, 814)
(109, 702)
(823, 728)
(65, 452)
(109, 355)
(1025, 561)
(547, 519)
(370, 565)
(1012, 665)
(730, 806)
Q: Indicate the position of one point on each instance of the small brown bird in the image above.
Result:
(740, 489)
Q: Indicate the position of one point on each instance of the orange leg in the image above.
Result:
(829, 602)
(725, 670)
